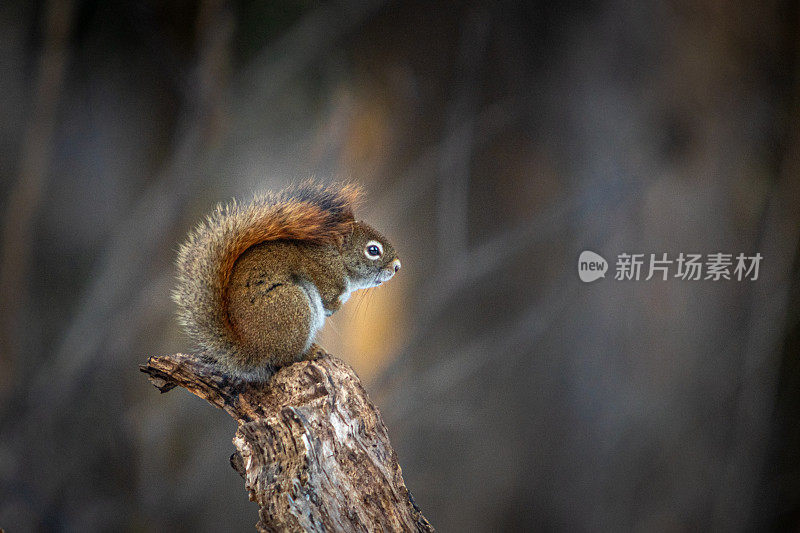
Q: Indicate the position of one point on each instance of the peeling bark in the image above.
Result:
(311, 447)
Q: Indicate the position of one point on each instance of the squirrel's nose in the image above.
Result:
(396, 265)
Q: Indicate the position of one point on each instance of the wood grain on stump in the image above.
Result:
(311, 447)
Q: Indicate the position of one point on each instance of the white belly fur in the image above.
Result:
(317, 310)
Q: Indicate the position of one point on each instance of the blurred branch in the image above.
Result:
(457, 149)
(311, 446)
(23, 201)
(497, 251)
(303, 44)
(766, 329)
(139, 236)
(464, 361)
(417, 178)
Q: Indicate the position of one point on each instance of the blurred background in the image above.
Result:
(495, 141)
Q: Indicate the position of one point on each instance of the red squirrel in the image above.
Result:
(256, 281)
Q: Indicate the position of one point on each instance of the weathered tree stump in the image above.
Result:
(311, 447)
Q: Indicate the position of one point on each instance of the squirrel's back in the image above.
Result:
(309, 212)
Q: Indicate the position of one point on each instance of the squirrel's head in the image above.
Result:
(368, 257)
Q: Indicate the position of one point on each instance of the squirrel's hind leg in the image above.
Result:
(275, 322)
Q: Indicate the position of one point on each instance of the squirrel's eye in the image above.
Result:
(373, 250)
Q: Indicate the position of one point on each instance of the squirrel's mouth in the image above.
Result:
(387, 273)
(383, 275)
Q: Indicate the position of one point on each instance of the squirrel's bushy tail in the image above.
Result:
(308, 212)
